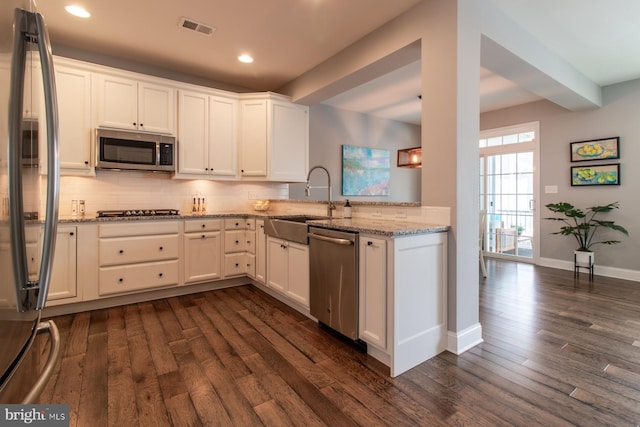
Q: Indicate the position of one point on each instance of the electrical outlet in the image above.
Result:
(253, 195)
(401, 213)
(551, 189)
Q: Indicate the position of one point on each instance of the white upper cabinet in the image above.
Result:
(274, 138)
(125, 103)
(207, 135)
(289, 157)
(74, 107)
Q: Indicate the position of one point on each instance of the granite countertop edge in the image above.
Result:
(388, 228)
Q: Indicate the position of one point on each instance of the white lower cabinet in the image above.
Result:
(63, 285)
(137, 256)
(372, 324)
(403, 298)
(288, 269)
(202, 250)
(261, 253)
(239, 247)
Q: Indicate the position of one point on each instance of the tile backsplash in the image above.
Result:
(142, 190)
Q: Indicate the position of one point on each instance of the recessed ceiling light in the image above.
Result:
(245, 58)
(78, 11)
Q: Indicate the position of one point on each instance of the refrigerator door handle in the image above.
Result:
(53, 160)
(30, 26)
(45, 327)
(26, 294)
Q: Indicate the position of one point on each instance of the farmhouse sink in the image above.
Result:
(291, 228)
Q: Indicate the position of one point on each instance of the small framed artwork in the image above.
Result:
(595, 175)
(596, 149)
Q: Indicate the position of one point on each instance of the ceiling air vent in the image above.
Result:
(198, 27)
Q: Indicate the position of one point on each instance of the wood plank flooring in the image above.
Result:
(557, 352)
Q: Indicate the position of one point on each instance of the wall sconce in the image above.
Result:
(410, 158)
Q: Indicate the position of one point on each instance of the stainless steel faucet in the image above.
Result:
(330, 206)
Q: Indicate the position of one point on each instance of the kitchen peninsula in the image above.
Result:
(402, 266)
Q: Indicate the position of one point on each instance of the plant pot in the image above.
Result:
(584, 258)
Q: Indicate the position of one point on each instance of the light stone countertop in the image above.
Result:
(388, 228)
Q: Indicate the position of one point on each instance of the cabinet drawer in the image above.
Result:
(114, 280)
(235, 224)
(250, 263)
(202, 225)
(138, 228)
(235, 264)
(131, 250)
(239, 241)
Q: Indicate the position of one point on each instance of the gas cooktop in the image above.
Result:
(134, 212)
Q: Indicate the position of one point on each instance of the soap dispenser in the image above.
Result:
(347, 209)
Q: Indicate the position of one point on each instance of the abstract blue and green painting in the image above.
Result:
(365, 171)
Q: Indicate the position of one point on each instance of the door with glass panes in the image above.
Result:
(509, 191)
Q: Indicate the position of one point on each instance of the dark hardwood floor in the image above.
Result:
(556, 352)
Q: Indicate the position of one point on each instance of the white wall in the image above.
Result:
(330, 128)
(559, 127)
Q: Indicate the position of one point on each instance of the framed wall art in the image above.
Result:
(596, 149)
(595, 175)
(365, 171)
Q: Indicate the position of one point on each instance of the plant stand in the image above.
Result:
(583, 260)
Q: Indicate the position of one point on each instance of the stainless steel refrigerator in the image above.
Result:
(29, 214)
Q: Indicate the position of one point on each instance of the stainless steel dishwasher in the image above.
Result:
(333, 268)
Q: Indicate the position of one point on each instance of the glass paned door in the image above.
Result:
(508, 193)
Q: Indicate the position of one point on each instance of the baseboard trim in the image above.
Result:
(459, 342)
(599, 270)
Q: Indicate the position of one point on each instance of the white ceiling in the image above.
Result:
(600, 38)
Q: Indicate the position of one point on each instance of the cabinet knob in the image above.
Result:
(121, 280)
(237, 265)
(71, 234)
(203, 236)
(248, 242)
(121, 251)
(237, 242)
(369, 243)
(134, 123)
(161, 248)
(237, 224)
(86, 162)
(160, 275)
(204, 225)
(141, 124)
(206, 169)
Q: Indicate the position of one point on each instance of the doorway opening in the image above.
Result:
(509, 189)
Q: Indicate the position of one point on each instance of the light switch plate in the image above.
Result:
(551, 189)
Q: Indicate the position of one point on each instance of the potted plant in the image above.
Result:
(583, 225)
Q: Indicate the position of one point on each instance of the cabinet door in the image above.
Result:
(261, 252)
(277, 265)
(193, 133)
(223, 137)
(298, 273)
(253, 138)
(74, 108)
(202, 256)
(117, 102)
(156, 108)
(289, 157)
(373, 291)
(63, 276)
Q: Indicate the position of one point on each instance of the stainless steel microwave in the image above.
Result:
(120, 149)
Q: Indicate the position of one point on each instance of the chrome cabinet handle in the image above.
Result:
(45, 327)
